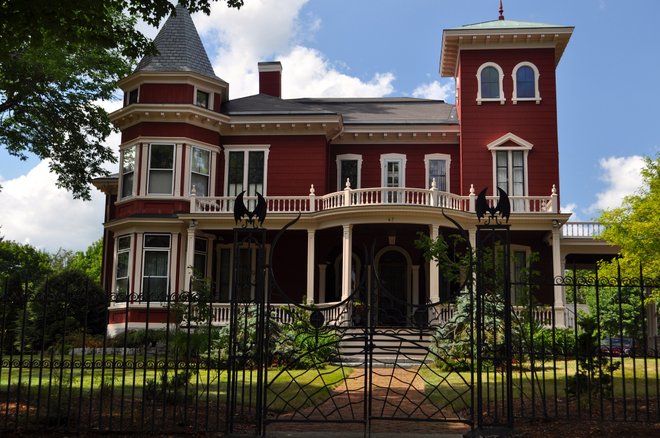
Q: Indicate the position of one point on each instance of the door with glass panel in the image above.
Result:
(392, 178)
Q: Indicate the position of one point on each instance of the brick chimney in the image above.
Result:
(270, 78)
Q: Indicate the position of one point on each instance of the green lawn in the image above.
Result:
(635, 378)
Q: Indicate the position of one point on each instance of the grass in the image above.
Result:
(636, 378)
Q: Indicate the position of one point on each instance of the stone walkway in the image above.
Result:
(398, 398)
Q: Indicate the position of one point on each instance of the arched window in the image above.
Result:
(525, 82)
(490, 83)
(489, 79)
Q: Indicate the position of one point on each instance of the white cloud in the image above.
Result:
(570, 208)
(264, 31)
(622, 176)
(39, 213)
(434, 90)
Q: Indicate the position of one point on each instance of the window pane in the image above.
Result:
(156, 241)
(490, 83)
(200, 245)
(199, 265)
(256, 168)
(392, 174)
(122, 264)
(128, 159)
(525, 86)
(200, 183)
(124, 242)
(202, 99)
(160, 181)
(349, 170)
(235, 173)
(162, 156)
(155, 289)
(155, 263)
(127, 185)
(438, 171)
(133, 96)
(200, 161)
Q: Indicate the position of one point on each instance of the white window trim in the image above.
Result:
(427, 160)
(537, 75)
(170, 250)
(521, 145)
(246, 148)
(500, 99)
(120, 188)
(116, 262)
(204, 90)
(384, 158)
(176, 159)
(212, 158)
(349, 157)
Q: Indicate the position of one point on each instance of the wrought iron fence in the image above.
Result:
(166, 368)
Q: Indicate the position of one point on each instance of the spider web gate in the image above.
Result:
(296, 367)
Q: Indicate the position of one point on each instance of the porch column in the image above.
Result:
(322, 276)
(310, 266)
(472, 235)
(434, 274)
(190, 254)
(346, 261)
(560, 293)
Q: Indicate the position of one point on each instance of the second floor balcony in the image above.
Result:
(377, 196)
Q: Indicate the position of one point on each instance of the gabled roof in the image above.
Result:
(179, 48)
(383, 110)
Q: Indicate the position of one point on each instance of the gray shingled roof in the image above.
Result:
(355, 111)
(179, 48)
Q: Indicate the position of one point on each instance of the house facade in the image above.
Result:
(372, 172)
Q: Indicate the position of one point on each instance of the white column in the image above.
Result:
(322, 274)
(560, 293)
(434, 274)
(310, 266)
(472, 235)
(190, 255)
(346, 261)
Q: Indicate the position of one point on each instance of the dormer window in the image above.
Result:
(489, 79)
(525, 83)
(202, 99)
(132, 96)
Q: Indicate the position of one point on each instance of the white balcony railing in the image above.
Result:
(383, 196)
(587, 230)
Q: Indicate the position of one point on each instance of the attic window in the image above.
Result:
(202, 99)
(132, 96)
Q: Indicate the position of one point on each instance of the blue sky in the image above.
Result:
(607, 83)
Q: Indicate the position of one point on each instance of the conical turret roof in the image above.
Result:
(179, 48)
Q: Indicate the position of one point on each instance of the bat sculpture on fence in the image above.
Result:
(254, 217)
(484, 210)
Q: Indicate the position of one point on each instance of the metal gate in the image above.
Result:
(295, 367)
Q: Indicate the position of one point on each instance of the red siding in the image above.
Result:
(294, 163)
(165, 129)
(481, 124)
(415, 168)
(166, 93)
(141, 206)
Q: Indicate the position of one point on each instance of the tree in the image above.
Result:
(57, 61)
(634, 228)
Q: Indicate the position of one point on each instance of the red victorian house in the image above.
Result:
(360, 170)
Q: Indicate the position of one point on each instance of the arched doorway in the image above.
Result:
(393, 287)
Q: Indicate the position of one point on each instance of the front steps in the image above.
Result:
(391, 347)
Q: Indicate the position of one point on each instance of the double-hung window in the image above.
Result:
(161, 169)
(245, 170)
(121, 273)
(437, 169)
(127, 171)
(349, 168)
(200, 166)
(156, 267)
(510, 167)
(199, 261)
(202, 98)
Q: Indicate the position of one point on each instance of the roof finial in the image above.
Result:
(501, 17)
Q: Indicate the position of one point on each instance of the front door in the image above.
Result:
(392, 289)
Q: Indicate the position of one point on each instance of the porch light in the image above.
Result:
(391, 237)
